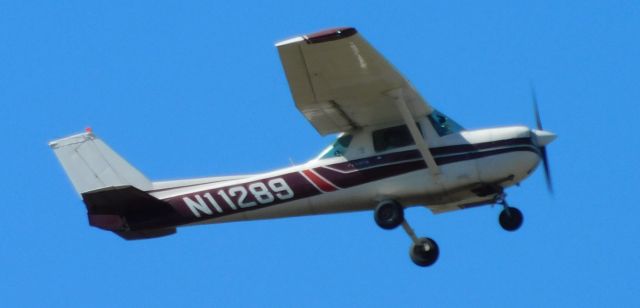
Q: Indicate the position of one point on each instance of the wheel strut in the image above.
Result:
(505, 206)
(407, 228)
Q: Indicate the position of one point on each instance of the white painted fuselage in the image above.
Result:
(475, 165)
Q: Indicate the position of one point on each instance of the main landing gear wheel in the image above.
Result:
(425, 252)
(388, 215)
(510, 219)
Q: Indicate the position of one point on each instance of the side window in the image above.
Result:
(339, 147)
(391, 138)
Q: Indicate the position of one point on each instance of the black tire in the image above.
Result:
(388, 215)
(422, 257)
(511, 219)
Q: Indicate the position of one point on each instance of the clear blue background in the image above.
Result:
(195, 88)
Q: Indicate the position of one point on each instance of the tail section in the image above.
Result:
(91, 164)
(112, 189)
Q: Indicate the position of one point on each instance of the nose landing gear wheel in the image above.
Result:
(425, 252)
(511, 219)
(388, 215)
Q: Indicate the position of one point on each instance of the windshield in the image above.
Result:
(338, 148)
(443, 124)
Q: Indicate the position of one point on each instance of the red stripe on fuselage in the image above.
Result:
(318, 181)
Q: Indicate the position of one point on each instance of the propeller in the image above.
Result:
(541, 138)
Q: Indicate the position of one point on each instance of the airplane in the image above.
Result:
(393, 151)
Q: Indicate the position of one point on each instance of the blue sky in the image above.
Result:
(195, 88)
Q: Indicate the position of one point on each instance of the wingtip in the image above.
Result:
(330, 35)
(322, 36)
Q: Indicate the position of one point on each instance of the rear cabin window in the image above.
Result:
(392, 137)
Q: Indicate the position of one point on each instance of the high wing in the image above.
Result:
(340, 82)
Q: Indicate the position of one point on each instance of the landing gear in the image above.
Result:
(389, 215)
(425, 252)
(510, 218)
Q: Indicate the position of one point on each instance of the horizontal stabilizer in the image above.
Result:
(127, 208)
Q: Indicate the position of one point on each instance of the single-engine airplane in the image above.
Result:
(393, 151)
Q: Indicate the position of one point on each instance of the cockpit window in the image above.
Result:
(339, 147)
(443, 124)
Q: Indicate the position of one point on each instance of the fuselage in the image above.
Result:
(475, 167)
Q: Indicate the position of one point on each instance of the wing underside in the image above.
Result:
(341, 83)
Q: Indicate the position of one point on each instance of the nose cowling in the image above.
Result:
(542, 137)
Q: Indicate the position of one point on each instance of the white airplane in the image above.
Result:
(393, 151)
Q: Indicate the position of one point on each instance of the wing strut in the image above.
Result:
(398, 96)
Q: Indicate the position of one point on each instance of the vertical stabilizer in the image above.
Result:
(91, 164)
